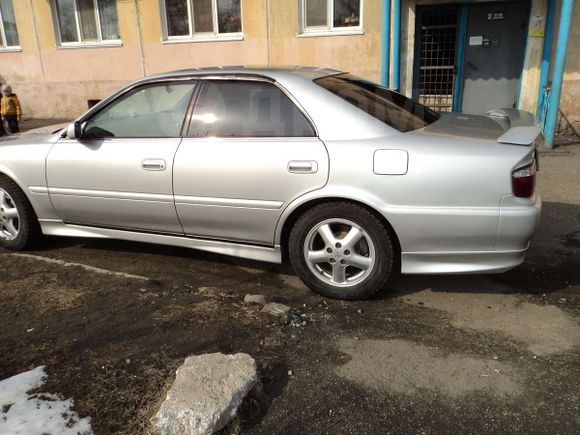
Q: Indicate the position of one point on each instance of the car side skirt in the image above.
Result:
(261, 253)
(470, 262)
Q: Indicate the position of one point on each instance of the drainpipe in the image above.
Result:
(141, 47)
(558, 75)
(386, 43)
(396, 43)
(546, 55)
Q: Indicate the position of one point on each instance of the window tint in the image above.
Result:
(149, 111)
(387, 106)
(246, 109)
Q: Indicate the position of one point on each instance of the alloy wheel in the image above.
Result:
(9, 217)
(339, 252)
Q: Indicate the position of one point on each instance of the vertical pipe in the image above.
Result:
(558, 75)
(546, 54)
(386, 43)
(396, 43)
(461, 37)
(140, 30)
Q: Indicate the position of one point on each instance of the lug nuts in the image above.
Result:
(346, 252)
(329, 250)
(332, 260)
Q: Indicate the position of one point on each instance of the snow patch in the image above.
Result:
(23, 413)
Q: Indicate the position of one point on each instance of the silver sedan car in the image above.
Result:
(349, 180)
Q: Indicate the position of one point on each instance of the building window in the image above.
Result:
(87, 21)
(331, 17)
(202, 19)
(8, 33)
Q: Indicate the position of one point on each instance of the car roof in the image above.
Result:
(273, 72)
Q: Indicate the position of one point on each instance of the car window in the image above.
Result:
(387, 106)
(156, 110)
(234, 108)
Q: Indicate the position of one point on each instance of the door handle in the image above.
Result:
(303, 166)
(154, 164)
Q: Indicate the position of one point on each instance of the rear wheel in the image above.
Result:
(341, 250)
(18, 224)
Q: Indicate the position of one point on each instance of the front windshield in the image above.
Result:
(387, 106)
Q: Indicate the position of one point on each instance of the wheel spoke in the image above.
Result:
(338, 273)
(11, 213)
(327, 235)
(352, 238)
(11, 229)
(316, 257)
(3, 198)
(359, 261)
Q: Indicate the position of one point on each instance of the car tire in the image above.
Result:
(19, 227)
(341, 250)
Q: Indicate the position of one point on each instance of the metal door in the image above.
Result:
(236, 189)
(119, 174)
(121, 183)
(493, 55)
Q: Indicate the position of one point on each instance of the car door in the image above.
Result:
(119, 173)
(249, 151)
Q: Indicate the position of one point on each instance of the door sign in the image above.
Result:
(495, 16)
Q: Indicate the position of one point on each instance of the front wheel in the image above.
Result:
(341, 250)
(18, 225)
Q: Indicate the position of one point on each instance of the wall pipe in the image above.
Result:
(558, 74)
(396, 43)
(546, 55)
(386, 43)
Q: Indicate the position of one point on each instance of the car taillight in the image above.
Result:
(524, 180)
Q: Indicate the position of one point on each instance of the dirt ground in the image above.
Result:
(429, 354)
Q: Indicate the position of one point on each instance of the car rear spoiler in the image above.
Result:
(519, 126)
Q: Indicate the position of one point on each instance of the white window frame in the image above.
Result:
(5, 47)
(200, 36)
(329, 29)
(100, 42)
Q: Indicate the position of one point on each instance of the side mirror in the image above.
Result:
(74, 130)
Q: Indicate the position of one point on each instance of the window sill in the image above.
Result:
(321, 33)
(10, 49)
(209, 38)
(106, 44)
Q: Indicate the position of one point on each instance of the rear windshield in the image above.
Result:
(392, 108)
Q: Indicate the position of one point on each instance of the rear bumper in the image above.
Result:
(518, 220)
(460, 262)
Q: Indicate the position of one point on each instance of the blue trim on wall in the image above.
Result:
(396, 43)
(546, 55)
(461, 40)
(558, 74)
(386, 43)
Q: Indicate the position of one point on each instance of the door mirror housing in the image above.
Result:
(74, 130)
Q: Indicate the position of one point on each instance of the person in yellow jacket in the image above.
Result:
(10, 109)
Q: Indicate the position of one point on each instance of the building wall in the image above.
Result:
(54, 81)
(359, 54)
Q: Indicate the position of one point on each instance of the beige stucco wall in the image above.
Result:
(359, 54)
(163, 56)
(56, 82)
